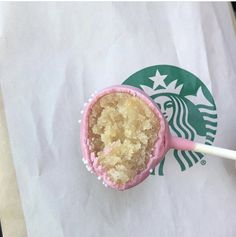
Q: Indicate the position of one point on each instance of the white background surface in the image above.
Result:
(54, 55)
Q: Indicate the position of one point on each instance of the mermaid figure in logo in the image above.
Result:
(177, 111)
(186, 120)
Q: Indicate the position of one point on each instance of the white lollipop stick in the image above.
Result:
(215, 151)
(183, 144)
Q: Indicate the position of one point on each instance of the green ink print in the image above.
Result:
(186, 104)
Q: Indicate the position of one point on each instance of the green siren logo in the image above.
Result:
(186, 103)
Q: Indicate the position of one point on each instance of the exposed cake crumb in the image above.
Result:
(122, 131)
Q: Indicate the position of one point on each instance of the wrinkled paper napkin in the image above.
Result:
(54, 55)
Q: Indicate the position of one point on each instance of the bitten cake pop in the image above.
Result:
(124, 136)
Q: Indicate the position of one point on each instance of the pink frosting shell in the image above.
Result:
(161, 146)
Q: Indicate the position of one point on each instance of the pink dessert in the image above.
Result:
(124, 136)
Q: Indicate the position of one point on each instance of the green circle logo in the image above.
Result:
(186, 103)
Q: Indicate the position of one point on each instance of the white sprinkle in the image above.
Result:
(90, 99)
(85, 104)
(85, 162)
(151, 170)
(92, 95)
(79, 121)
(81, 111)
(88, 168)
(104, 184)
(91, 172)
(99, 177)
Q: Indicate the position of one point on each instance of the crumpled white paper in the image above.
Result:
(54, 55)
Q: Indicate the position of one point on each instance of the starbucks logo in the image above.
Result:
(186, 103)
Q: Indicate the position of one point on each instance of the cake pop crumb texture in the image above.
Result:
(122, 133)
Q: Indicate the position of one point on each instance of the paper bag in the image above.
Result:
(54, 55)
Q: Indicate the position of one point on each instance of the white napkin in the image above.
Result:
(54, 55)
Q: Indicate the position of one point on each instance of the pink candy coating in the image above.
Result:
(161, 146)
